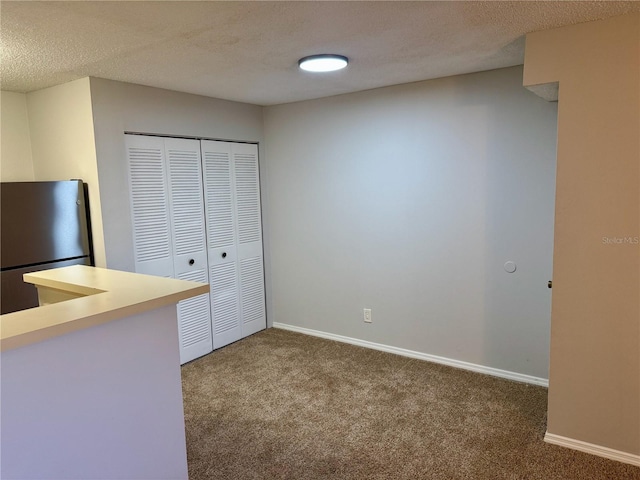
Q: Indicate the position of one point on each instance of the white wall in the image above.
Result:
(61, 125)
(16, 162)
(408, 200)
(104, 402)
(123, 107)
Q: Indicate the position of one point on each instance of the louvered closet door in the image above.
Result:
(221, 237)
(189, 244)
(249, 231)
(153, 252)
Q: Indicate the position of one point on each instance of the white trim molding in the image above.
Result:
(518, 377)
(598, 450)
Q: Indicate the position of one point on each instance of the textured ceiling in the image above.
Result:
(248, 51)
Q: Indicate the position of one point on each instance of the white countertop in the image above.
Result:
(110, 295)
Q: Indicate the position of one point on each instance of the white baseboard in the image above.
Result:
(605, 452)
(518, 377)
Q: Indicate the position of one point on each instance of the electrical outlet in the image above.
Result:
(367, 315)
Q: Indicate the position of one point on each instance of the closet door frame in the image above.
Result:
(234, 265)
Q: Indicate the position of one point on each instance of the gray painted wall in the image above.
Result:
(409, 200)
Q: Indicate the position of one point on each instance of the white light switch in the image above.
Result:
(367, 315)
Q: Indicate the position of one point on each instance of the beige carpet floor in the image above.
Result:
(281, 405)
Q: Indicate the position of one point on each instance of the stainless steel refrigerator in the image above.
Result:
(43, 225)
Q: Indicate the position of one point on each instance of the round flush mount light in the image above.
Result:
(323, 63)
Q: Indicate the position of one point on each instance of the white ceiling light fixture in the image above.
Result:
(323, 63)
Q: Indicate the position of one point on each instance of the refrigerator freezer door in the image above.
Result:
(42, 222)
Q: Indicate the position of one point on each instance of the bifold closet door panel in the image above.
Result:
(194, 321)
(221, 236)
(169, 228)
(189, 243)
(186, 205)
(246, 181)
(150, 214)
